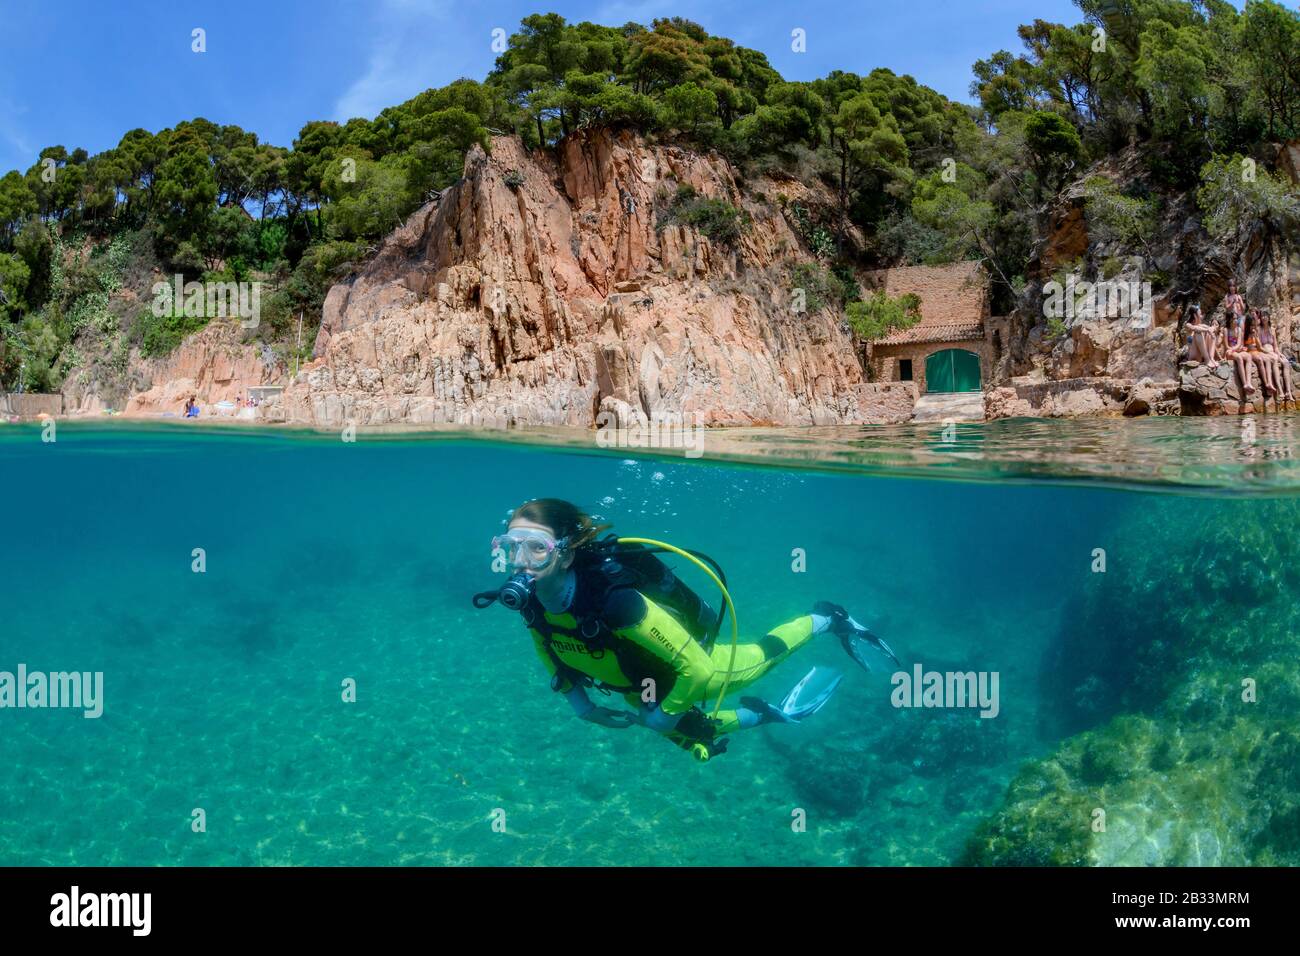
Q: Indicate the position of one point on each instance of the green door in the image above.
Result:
(952, 370)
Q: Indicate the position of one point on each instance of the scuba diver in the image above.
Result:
(607, 613)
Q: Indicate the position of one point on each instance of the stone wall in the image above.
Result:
(950, 294)
(30, 404)
(1079, 397)
(880, 403)
(1217, 391)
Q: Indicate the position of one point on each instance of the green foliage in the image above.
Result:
(272, 240)
(954, 212)
(1234, 193)
(716, 218)
(158, 335)
(14, 278)
(819, 239)
(879, 314)
(1116, 218)
(1053, 144)
(822, 287)
(691, 108)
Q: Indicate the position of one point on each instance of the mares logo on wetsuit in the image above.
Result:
(574, 646)
(654, 632)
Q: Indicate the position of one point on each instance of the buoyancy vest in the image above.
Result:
(602, 569)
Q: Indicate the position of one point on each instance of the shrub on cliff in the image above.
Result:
(158, 335)
(1236, 193)
(819, 287)
(1127, 221)
(716, 218)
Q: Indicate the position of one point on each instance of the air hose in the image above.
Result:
(731, 606)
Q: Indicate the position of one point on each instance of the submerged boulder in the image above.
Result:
(1181, 661)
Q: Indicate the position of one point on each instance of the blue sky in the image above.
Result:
(83, 72)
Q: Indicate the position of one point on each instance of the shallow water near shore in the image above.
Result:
(975, 549)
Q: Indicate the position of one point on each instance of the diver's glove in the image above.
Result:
(698, 733)
(704, 752)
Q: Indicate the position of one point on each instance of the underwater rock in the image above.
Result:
(1184, 653)
(828, 775)
(934, 743)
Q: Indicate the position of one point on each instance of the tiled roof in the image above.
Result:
(925, 331)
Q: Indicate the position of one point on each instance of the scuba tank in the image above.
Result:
(637, 566)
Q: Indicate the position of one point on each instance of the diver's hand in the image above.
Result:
(607, 717)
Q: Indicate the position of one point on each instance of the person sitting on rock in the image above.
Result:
(1282, 376)
(1203, 346)
(1235, 349)
(1255, 351)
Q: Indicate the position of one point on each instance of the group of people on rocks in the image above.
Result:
(1244, 337)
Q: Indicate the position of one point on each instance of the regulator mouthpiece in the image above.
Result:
(516, 592)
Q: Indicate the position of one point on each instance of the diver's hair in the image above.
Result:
(567, 520)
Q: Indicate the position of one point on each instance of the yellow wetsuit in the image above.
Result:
(647, 640)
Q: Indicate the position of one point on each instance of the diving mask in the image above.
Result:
(529, 548)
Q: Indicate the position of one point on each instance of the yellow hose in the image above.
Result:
(731, 606)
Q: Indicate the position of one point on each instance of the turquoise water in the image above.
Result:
(328, 560)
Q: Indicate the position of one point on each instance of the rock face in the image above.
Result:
(1217, 391)
(1177, 677)
(1080, 397)
(213, 364)
(1182, 265)
(544, 290)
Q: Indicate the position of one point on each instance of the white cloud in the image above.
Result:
(407, 36)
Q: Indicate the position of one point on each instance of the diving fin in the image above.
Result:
(800, 702)
(853, 636)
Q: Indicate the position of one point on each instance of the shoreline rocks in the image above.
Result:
(1216, 391)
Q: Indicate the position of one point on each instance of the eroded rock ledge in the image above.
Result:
(1216, 391)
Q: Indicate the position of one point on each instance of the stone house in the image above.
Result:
(955, 345)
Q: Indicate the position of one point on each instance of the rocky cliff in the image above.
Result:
(1095, 364)
(214, 364)
(545, 289)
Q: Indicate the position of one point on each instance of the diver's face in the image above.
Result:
(559, 562)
